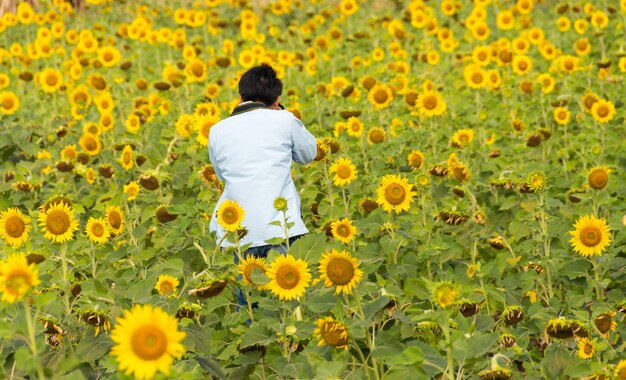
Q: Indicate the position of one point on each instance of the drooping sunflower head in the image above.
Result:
(289, 277)
(166, 285)
(340, 269)
(230, 215)
(17, 277)
(331, 332)
(97, 230)
(395, 193)
(115, 219)
(598, 177)
(58, 223)
(146, 341)
(344, 171)
(343, 230)
(248, 266)
(14, 227)
(591, 236)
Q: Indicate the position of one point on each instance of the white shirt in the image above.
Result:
(252, 153)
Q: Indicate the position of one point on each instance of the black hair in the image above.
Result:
(260, 84)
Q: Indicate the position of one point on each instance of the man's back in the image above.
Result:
(252, 153)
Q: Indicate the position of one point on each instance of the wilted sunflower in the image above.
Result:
(97, 230)
(380, 96)
(289, 277)
(166, 285)
(58, 223)
(248, 265)
(603, 111)
(14, 227)
(340, 269)
(586, 348)
(431, 103)
(344, 171)
(590, 237)
(115, 219)
(395, 193)
(331, 332)
(230, 215)
(343, 230)
(17, 277)
(598, 177)
(146, 341)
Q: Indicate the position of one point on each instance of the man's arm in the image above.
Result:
(303, 142)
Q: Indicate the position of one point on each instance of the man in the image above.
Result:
(251, 151)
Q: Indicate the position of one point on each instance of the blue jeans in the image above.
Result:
(260, 252)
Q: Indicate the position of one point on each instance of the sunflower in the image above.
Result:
(603, 111)
(230, 215)
(462, 137)
(9, 103)
(331, 332)
(598, 177)
(353, 126)
(416, 159)
(17, 277)
(586, 348)
(248, 265)
(90, 143)
(115, 219)
(289, 277)
(376, 135)
(590, 237)
(146, 341)
(431, 103)
(380, 96)
(340, 269)
(395, 193)
(127, 157)
(445, 294)
(562, 115)
(344, 171)
(343, 230)
(605, 323)
(97, 230)
(166, 285)
(58, 223)
(14, 227)
(50, 80)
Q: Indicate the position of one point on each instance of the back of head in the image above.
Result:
(261, 84)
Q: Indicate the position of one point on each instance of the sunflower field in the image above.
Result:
(466, 207)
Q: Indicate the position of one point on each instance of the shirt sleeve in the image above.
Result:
(214, 162)
(303, 142)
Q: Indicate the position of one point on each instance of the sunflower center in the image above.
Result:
(343, 230)
(344, 172)
(230, 215)
(603, 111)
(17, 280)
(591, 236)
(287, 277)
(340, 271)
(115, 220)
(14, 226)
(58, 222)
(334, 334)
(381, 96)
(149, 342)
(395, 194)
(97, 230)
(430, 102)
